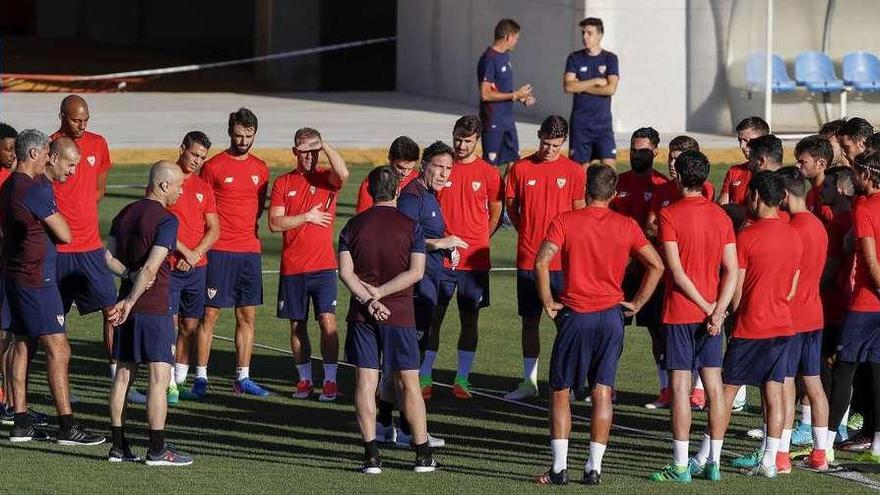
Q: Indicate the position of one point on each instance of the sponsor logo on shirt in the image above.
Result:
(291, 194)
(60, 319)
(583, 68)
(622, 194)
(503, 68)
(475, 185)
(602, 69)
(648, 196)
(433, 214)
(736, 182)
(91, 160)
(531, 182)
(228, 180)
(560, 182)
(211, 292)
(200, 197)
(256, 179)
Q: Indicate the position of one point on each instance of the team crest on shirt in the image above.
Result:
(664, 204)
(91, 160)
(433, 214)
(560, 182)
(492, 154)
(531, 182)
(622, 194)
(228, 180)
(291, 194)
(648, 196)
(256, 179)
(200, 197)
(475, 185)
(60, 319)
(211, 292)
(602, 69)
(448, 183)
(736, 182)
(503, 68)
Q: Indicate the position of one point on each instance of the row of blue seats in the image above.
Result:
(815, 71)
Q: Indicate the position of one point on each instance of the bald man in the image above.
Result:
(83, 277)
(141, 236)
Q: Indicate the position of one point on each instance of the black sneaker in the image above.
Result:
(425, 464)
(26, 434)
(78, 436)
(373, 465)
(592, 477)
(551, 478)
(168, 457)
(123, 455)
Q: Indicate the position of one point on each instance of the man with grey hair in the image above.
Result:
(31, 226)
(141, 236)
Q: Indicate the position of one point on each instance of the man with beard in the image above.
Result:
(853, 136)
(814, 154)
(234, 279)
(403, 156)
(735, 188)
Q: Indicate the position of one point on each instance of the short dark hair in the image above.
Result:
(816, 146)
(856, 128)
(505, 28)
(437, 148)
(873, 142)
(831, 128)
(646, 133)
(753, 123)
(767, 147)
(768, 186)
(842, 178)
(403, 149)
(593, 21)
(196, 137)
(466, 126)
(794, 181)
(382, 183)
(601, 182)
(553, 127)
(869, 161)
(305, 133)
(692, 168)
(684, 143)
(243, 117)
(736, 213)
(7, 131)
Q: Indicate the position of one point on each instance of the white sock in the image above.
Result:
(820, 437)
(427, 364)
(202, 372)
(806, 415)
(680, 452)
(305, 371)
(330, 372)
(705, 451)
(716, 451)
(785, 440)
(769, 458)
(875, 446)
(112, 370)
(465, 361)
(180, 372)
(559, 448)
(530, 369)
(829, 439)
(242, 372)
(662, 378)
(698, 381)
(597, 450)
(740, 394)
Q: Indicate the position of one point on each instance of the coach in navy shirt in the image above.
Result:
(495, 77)
(141, 236)
(591, 75)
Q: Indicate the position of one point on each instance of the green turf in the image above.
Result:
(280, 445)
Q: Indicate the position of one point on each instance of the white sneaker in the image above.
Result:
(525, 390)
(385, 434)
(405, 441)
(756, 433)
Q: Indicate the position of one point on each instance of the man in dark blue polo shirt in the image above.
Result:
(591, 75)
(31, 227)
(495, 79)
(141, 236)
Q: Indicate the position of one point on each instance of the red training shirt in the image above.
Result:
(736, 183)
(836, 295)
(808, 316)
(866, 218)
(542, 190)
(196, 201)
(701, 229)
(77, 197)
(465, 206)
(364, 200)
(635, 194)
(593, 261)
(770, 252)
(667, 193)
(814, 204)
(239, 187)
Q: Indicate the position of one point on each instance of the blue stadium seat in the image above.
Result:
(861, 70)
(816, 71)
(755, 70)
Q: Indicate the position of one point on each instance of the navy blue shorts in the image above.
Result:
(234, 279)
(144, 338)
(471, 288)
(755, 361)
(805, 354)
(295, 292)
(424, 304)
(689, 347)
(385, 347)
(85, 279)
(500, 146)
(586, 145)
(527, 299)
(830, 339)
(187, 292)
(651, 314)
(35, 311)
(860, 338)
(5, 314)
(586, 349)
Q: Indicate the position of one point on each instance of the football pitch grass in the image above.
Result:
(278, 444)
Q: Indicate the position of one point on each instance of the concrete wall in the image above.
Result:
(439, 42)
